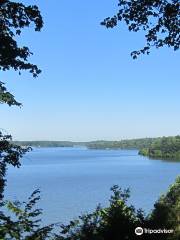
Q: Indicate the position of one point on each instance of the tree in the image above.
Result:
(7, 97)
(14, 17)
(160, 19)
(165, 147)
(23, 222)
(103, 223)
(117, 221)
(10, 154)
(166, 212)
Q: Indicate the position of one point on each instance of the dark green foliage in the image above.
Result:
(168, 147)
(101, 144)
(160, 19)
(123, 144)
(14, 17)
(7, 97)
(44, 143)
(118, 221)
(10, 154)
(23, 222)
(165, 147)
(166, 212)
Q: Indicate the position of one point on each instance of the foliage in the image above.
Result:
(118, 221)
(24, 224)
(123, 144)
(166, 212)
(7, 97)
(101, 144)
(14, 17)
(10, 154)
(44, 143)
(160, 19)
(165, 147)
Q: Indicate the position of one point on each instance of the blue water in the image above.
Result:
(75, 180)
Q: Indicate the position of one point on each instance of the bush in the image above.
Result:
(115, 222)
(23, 222)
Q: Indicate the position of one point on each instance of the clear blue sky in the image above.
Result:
(90, 87)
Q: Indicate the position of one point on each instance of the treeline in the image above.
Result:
(165, 147)
(162, 147)
(117, 221)
(123, 144)
(100, 144)
(44, 143)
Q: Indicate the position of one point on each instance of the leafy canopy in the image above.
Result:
(10, 154)
(14, 17)
(165, 147)
(24, 221)
(117, 221)
(160, 19)
(7, 97)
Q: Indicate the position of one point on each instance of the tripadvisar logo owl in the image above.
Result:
(139, 231)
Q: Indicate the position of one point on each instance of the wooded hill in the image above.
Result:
(162, 147)
(165, 147)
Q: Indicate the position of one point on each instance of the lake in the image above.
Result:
(75, 180)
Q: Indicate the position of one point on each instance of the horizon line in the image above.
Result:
(91, 140)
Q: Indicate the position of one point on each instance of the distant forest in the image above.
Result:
(44, 143)
(100, 144)
(123, 144)
(165, 147)
(162, 147)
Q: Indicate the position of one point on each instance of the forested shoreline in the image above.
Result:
(44, 143)
(137, 143)
(99, 144)
(122, 144)
(165, 147)
(161, 147)
(89, 88)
